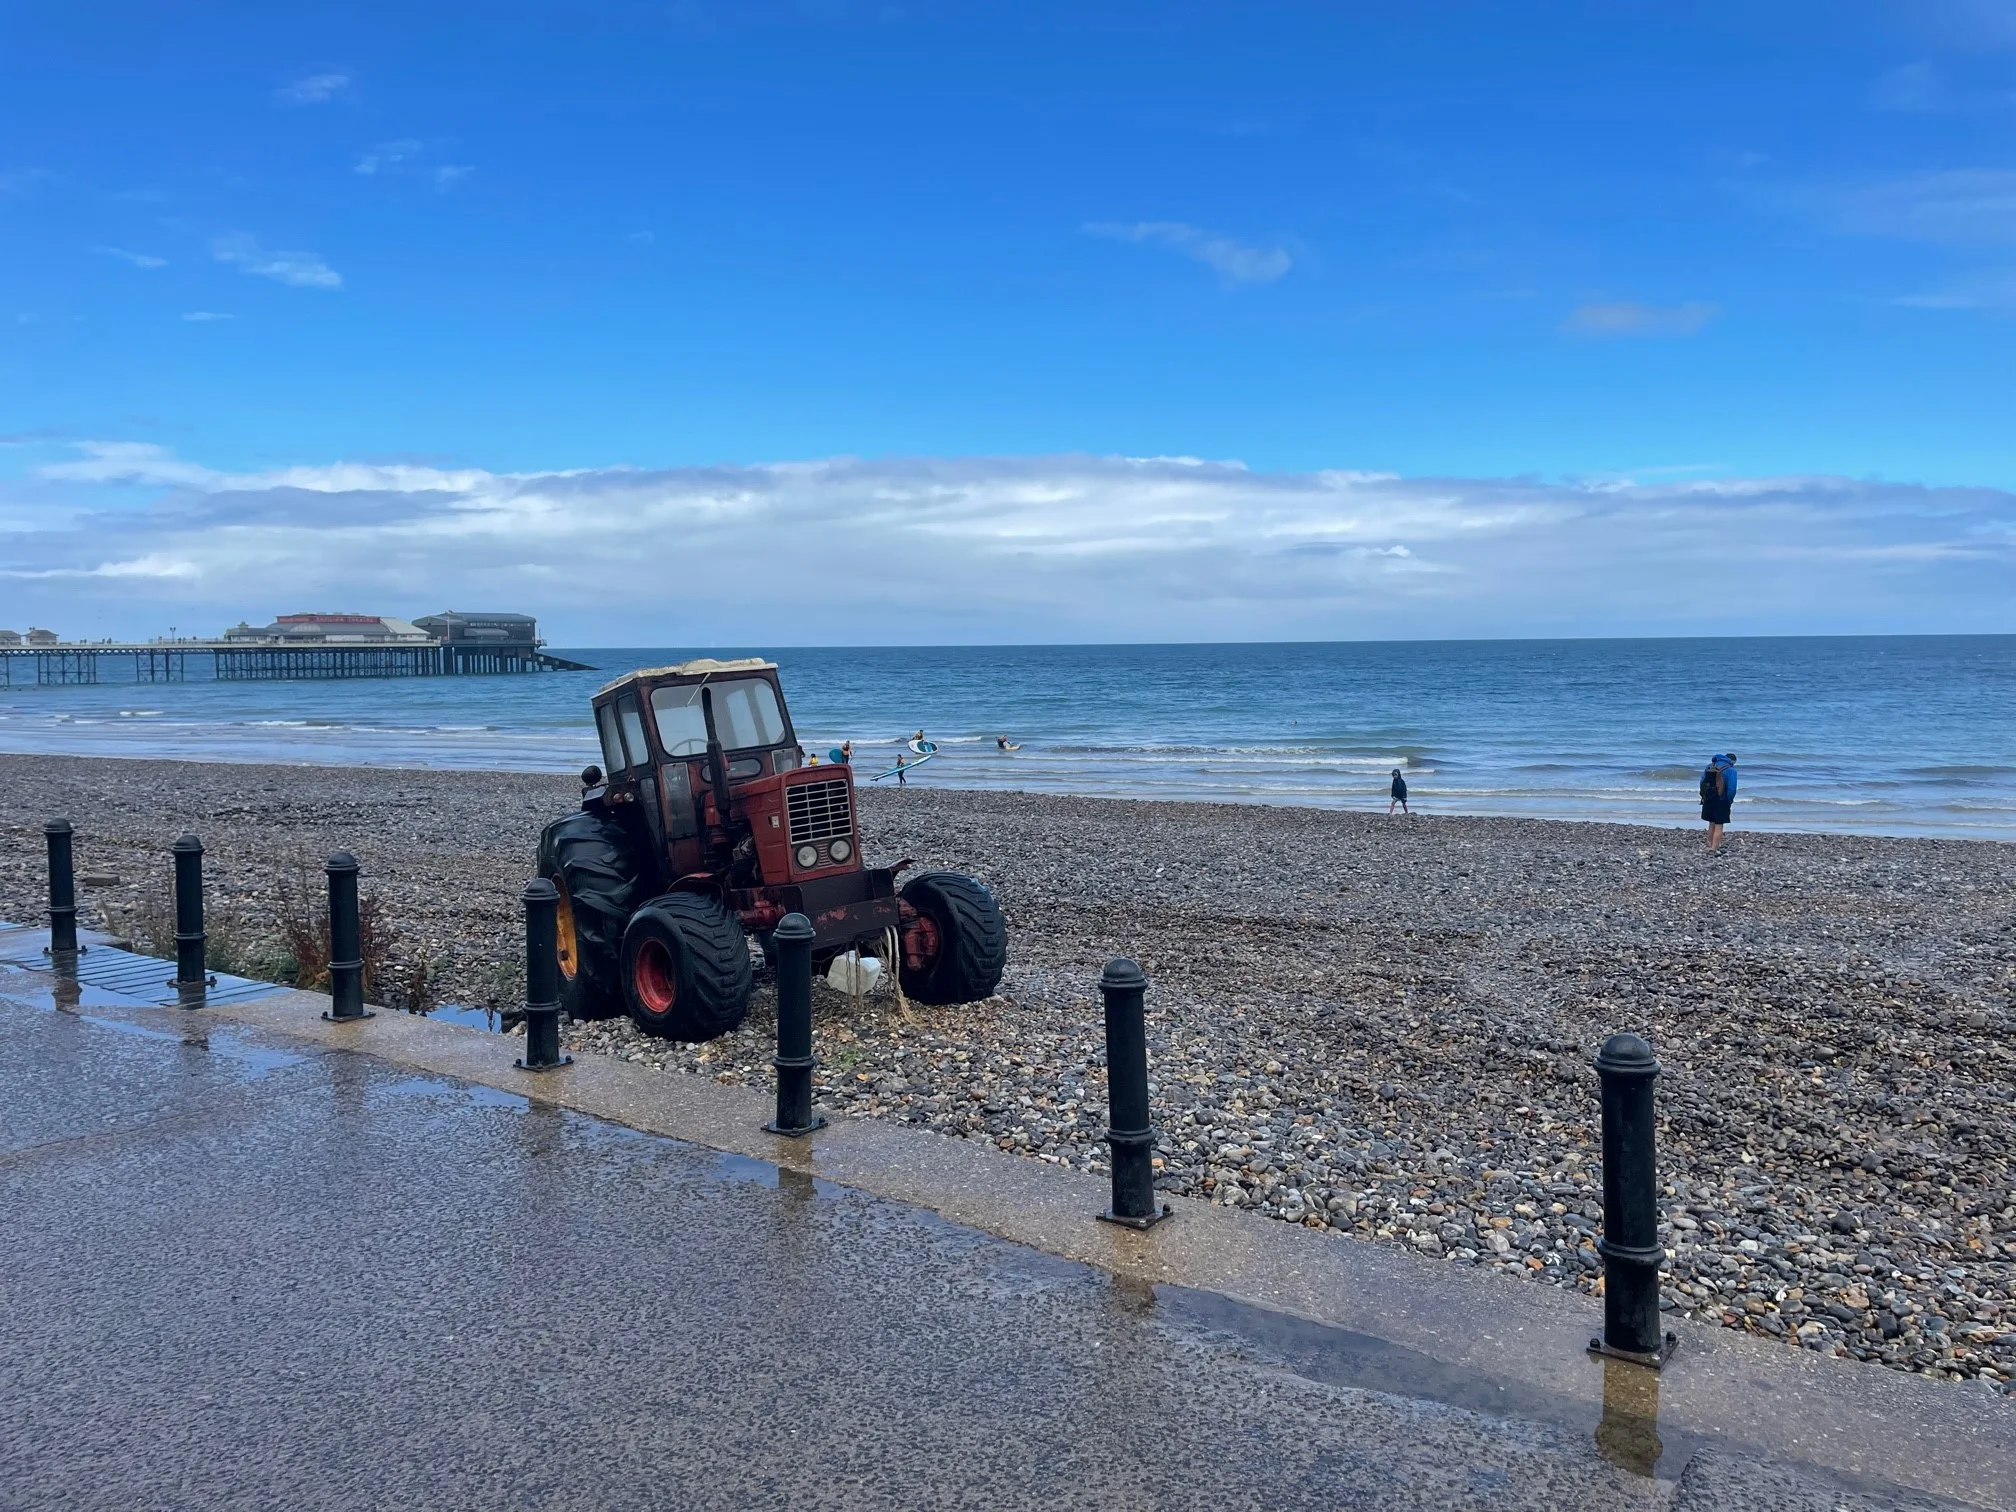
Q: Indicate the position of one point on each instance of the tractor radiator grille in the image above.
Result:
(818, 811)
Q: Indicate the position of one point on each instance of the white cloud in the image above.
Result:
(315, 89)
(302, 269)
(385, 156)
(1914, 87)
(1070, 547)
(207, 315)
(1625, 318)
(129, 462)
(1235, 262)
(403, 157)
(137, 259)
(1956, 207)
(1992, 292)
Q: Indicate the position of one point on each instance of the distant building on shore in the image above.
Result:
(42, 638)
(10, 637)
(331, 630)
(454, 627)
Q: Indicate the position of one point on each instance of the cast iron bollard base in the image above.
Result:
(542, 979)
(1657, 1359)
(794, 1060)
(1124, 985)
(1630, 1247)
(346, 944)
(62, 944)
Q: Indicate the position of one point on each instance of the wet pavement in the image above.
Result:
(248, 1270)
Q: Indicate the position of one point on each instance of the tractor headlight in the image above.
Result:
(839, 850)
(808, 857)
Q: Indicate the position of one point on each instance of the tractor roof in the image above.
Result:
(706, 666)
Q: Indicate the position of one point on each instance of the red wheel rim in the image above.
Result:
(921, 939)
(657, 977)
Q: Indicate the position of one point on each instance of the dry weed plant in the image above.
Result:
(304, 929)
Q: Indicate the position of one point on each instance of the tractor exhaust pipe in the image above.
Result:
(717, 759)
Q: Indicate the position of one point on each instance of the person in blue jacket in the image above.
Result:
(1718, 793)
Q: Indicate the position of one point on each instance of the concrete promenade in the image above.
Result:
(257, 1260)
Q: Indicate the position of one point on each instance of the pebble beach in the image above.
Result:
(1377, 1026)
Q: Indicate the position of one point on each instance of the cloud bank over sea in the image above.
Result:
(124, 538)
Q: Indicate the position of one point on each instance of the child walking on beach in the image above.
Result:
(1399, 798)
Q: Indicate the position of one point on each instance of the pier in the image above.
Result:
(298, 647)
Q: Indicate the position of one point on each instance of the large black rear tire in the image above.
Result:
(686, 971)
(957, 939)
(590, 859)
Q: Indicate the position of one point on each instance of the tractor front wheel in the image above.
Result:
(686, 967)
(955, 942)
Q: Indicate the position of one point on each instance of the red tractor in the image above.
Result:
(707, 829)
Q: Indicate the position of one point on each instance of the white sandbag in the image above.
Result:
(853, 973)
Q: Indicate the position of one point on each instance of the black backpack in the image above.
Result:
(1711, 784)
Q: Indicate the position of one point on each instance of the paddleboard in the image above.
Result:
(925, 750)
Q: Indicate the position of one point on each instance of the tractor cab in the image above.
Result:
(703, 830)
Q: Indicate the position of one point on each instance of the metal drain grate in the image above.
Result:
(142, 978)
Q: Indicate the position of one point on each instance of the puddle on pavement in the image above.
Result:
(746, 1170)
(62, 992)
(1626, 1432)
(139, 1031)
(247, 1052)
(473, 1018)
(197, 1034)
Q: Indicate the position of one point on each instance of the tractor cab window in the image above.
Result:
(746, 714)
(613, 757)
(633, 730)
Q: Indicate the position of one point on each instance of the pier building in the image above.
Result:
(294, 647)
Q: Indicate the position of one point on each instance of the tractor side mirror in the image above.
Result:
(590, 775)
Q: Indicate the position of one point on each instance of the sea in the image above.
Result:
(1898, 735)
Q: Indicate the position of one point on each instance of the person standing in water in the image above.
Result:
(901, 779)
(1399, 796)
(847, 752)
(1718, 795)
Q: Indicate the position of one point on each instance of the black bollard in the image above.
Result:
(346, 943)
(62, 890)
(1123, 984)
(1632, 1254)
(794, 1060)
(542, 978)
(191, 975)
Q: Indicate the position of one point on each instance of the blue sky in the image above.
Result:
(1552, 247)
